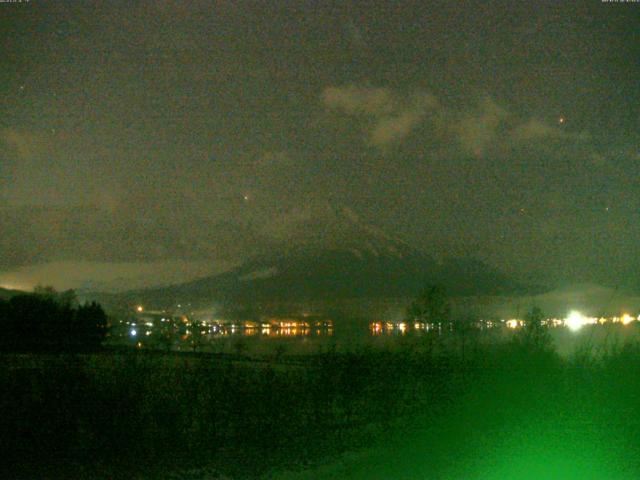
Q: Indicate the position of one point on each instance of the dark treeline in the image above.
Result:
(48, 321)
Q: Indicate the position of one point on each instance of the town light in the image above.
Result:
(575, 320)
(626, 319)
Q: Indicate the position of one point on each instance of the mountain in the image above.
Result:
(6, 294)
(324, 226)
(328, 254)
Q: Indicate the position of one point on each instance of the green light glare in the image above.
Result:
(530, 465)
(576, 453)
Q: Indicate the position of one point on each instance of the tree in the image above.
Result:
(163, 335)
(431, 306)
(90, 324)
(45, 291)
(67, 298)
(535, 334)
(48, 321)
(33, 323)
(198, 340)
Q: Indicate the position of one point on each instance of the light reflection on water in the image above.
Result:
(220, 337)
(264, 332)
(303, 337)
(401, 328)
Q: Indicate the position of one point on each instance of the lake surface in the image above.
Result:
(358, 335)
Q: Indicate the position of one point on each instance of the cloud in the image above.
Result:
(130, 233)
(391, 129)
(484, 127)
(360, 100)
(108, 277)
(477, 130)
(391, 116)
(535, 129)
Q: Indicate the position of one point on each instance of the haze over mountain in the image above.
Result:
(330, 255)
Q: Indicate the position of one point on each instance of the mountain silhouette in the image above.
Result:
(328, 254)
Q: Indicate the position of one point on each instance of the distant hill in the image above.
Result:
(330, 255)
(6, 294)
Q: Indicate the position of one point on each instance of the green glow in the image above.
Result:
(571, 449)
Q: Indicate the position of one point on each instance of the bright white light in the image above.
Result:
(133, 332)
(626, 319)
(513, 323)
(575, 321)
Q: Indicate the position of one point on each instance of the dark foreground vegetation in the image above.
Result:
(50, 321)
(453, 406)
(513, 410)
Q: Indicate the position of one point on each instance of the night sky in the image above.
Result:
(156, 141)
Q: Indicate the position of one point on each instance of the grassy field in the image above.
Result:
(419, 411)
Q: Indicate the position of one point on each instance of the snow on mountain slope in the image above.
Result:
(325, 226)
